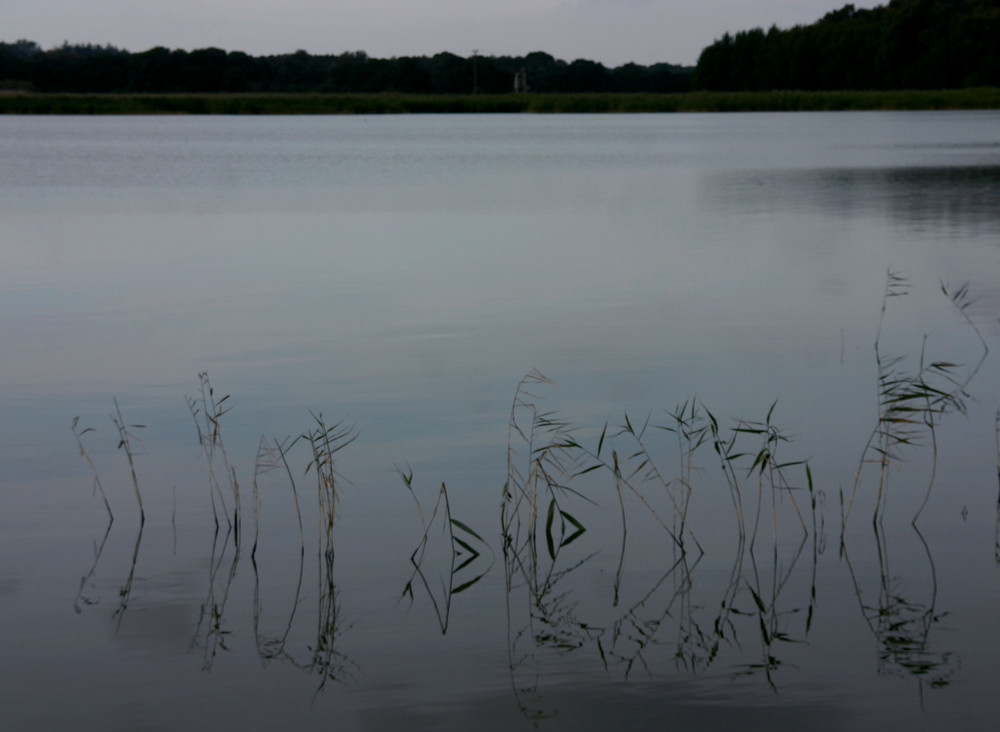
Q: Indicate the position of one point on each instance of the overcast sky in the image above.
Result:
(610, 31)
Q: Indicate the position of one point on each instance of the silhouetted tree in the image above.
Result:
(906, 44)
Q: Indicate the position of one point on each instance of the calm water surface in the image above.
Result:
(401, 276)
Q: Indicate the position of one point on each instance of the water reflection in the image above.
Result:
(325, 659)
(84, 597)
(901, 619)
(560, 606)
(272, 457)
(214, 629)
(606, 567)
(550, 618)
(996, 533)
(964, 198)
(455, 563)
(320, 655)
(126, 439)
(678, 622)
(125, 592)
(211, 632)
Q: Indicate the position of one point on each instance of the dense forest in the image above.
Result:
(907, 44)
(87, 68)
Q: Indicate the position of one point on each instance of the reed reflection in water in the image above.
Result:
(607, 566)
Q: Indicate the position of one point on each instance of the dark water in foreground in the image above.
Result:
(638, 544)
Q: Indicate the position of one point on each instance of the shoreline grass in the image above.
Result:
(394, 103)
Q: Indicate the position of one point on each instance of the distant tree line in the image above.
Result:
(907, 44)
(89, 68)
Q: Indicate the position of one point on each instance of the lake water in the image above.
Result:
(411, 279)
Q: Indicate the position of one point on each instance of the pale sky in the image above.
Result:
(610, 31)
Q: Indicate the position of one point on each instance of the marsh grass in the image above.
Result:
(395, 103)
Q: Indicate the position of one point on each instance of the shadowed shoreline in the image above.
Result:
(395, 103)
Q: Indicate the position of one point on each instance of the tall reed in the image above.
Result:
(125, 438)
(325, 441)
(207, 411)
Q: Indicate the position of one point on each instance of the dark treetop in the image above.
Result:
(907, 44)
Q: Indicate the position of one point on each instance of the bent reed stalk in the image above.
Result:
(465, 548)
(125, 438)
(98, 486)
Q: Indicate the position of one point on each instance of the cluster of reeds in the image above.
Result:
(551, 474)
(542, 458)
(554, 487)
(912, 402)
(546, 461)
(322, 657)
(324, 442)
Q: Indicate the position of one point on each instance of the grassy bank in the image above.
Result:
(389, 103)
